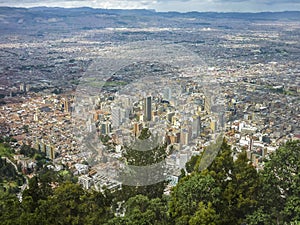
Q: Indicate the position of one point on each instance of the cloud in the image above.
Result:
(229, 5)
(119, 4)
(167, 5)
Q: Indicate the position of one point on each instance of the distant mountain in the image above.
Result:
(47, 19)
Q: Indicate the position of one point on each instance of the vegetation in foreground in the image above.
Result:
(227, 192)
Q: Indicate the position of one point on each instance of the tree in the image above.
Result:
(259, 217)
(10, 208)
(25, 128)
(39, 188)
(190, 191)
(151, 191)
(204, 215)
(145, 151)
(145, 134)
(190, 165)
(227, 188)
(239, 184)
(26, 150)
(280, 191)
(240, 196)
(222, 166)
(140, 210)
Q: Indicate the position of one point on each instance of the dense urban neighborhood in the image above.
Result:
(149, 118)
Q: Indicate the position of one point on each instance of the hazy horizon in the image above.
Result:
(251, 6)
(154, 10)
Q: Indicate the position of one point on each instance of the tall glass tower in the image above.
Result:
(147, 109)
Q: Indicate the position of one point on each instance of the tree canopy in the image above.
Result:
(227, 192)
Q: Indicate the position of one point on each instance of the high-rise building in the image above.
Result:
(42, 146)
(170, 116)
(105, 128)
(184, 137)
(221, 120)
(137, 128)
(196, 126)
(36, 116)
(167, 95)
(147, 109)
(27, 88)
(116, 117)
(207, 104)
(22, 87)
(124, 114)
(213, 125)
(50, 152)
(66, 105)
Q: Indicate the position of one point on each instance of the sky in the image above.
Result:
(168, 5)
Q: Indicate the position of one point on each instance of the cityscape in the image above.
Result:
(112, 99)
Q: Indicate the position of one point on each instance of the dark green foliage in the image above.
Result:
(145, 151)
(104, 138)
(26, 150)
(37, 155)
(204, 215)
(227, 189)
(240, 195)
(190, 165)
(151, 191)
(67, 204)
(25, 128)
(145, 134)
(5, 150)
(145, 158)
(10, 179)
(140, 210)
(280, 190)
(10, 208)
(188, 194)
(227, 192)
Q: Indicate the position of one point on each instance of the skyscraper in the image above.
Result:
(196, 126)
(66, 105)
(167, 95)
(116, 117)
(207, 104)
(147, 109)
(213, 125)
(105, 127)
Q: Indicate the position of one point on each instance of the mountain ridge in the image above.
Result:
(56, 19)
